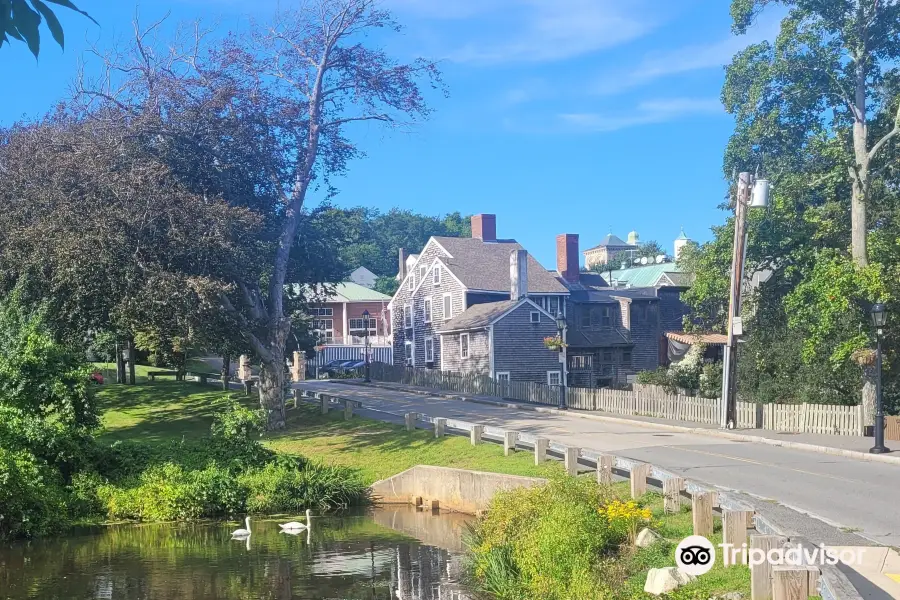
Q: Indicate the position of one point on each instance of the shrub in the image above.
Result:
(284, 487)
(543, 542)
(31, 498)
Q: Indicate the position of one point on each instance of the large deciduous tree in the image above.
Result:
(260, 119)
(831, 74)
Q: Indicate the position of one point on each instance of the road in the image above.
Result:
(851, 495)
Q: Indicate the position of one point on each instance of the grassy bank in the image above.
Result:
(168, 410)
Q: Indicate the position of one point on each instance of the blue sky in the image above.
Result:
(564, 116)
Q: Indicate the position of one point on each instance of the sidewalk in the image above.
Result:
(840, 445)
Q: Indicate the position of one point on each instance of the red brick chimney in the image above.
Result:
(567, 262)
(484, 227)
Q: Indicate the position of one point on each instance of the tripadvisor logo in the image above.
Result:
(695, 555)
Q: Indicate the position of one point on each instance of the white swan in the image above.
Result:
(242, 533)
(296, 526)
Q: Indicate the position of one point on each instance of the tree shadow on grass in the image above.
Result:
(158, 411)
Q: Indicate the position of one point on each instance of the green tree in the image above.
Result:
(831, 78)
(21, 20)
(650, 249)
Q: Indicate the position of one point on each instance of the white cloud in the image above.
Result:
(647, 112)
(528, 31)
(683, 60)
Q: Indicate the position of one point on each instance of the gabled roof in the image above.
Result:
(348, 291)
(478, 316)
(484, 266)
(612, 240)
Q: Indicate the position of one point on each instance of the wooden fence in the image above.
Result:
(645, 400)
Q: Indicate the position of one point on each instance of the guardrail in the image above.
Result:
(789, 583)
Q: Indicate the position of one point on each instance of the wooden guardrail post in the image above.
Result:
(639, 474)
(348, 410)
(540, 450)
(411, 418)
(761, 574)
(790, 583)
(605, 464)
(571, 459)
(509, 442)
(440, 427)
(734, 528)
(672, 494)
(296, 398)
(323, 398)
(702, 507)
(475, 434)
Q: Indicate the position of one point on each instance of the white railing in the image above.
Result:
(359, 340)
(646, 400)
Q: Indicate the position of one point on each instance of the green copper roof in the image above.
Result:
(353, 292)
(682, 236)
(644, 275)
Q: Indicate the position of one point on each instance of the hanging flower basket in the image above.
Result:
(864, 357)
(554, 343)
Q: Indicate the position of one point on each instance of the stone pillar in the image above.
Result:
(244, 372)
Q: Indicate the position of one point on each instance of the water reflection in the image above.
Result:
(370, 556)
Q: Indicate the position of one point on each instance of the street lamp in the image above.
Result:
(751, 193)
(879, 319)
(366, 325)
(561, 327)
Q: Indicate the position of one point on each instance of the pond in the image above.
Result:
(383, 553)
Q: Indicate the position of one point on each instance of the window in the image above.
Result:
(607, 316)
(322, 312)
(586, 318)
(607, 356)
(436, 275)
(411, 281)
(324, 328)
(360, 325)
(626, 357)
(580, 361)
(429, 350)
(427, 309)
(422, 270)
(464, 345)
(448, 307)
(554, 378)
(601, 316)
(553, 305)
(407, 316)
(408, 346)
(638, 313)
(535, 316)
(502, 377)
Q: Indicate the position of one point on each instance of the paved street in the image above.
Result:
(855, 495)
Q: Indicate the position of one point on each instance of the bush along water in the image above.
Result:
(547, 542)
(227, 473)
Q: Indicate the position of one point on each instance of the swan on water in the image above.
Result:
(241, 533)
(296, 526)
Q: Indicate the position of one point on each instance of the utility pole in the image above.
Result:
(739, 251)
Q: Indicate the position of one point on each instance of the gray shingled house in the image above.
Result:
(477, 305)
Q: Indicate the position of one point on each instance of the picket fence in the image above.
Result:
(644, 400)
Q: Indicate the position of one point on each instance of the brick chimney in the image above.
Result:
(484, 227)
(518, 274)
(567, 263)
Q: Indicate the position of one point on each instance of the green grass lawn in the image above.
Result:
(167, 409)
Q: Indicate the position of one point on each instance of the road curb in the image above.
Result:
(855, 454)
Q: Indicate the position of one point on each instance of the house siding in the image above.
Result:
(420, 328)
(519, 346)
(672, 310)
(645, 333)
(479, 361)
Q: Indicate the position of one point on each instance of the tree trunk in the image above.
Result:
(858, 200)
(868, 396)
(271, 390)
(226, 371)
(131, 369)
(120, 365)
